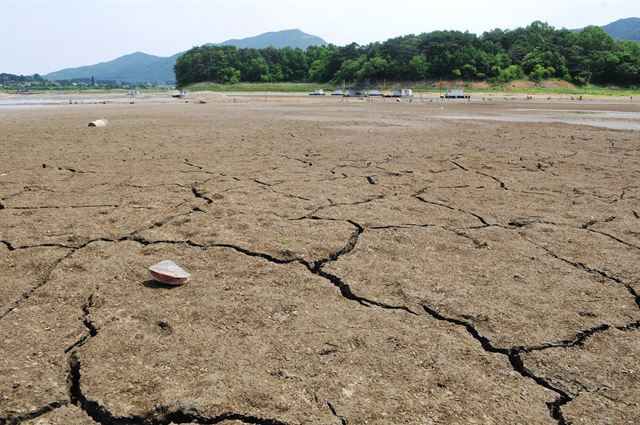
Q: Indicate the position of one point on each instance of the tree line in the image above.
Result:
(7, 79)
(538, 51)
(37, 82)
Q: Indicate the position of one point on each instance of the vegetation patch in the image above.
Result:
(536, 53)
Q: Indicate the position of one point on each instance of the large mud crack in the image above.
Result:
(159, 416)
(584, 267)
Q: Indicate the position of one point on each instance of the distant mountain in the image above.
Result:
(287, 38)
(135, 67)
(140, 67)
(623, 29)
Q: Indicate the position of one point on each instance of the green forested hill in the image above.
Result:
(537, 52)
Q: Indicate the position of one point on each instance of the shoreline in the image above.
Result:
(111, 96)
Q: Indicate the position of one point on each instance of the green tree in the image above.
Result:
(418, 67)
(230, 75)
(539, 73)
(373, 69)
(513, 72)
(349, 69)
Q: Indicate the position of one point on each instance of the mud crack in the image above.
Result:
(315, 268)
(73, 249)
(615, 238)
(513, 354)
(500, 182)
(480, 218)
(200, 195)
(312, 213)
(343, 421)
(15, 420)
(26, 295)
(345, 289)
(8, 244)
(86, 321)
(351, 244)
(161, 415)
(589, 269)
(305, 162)
(44, 207)
(198, 167)
(459, 166)
(494, 178)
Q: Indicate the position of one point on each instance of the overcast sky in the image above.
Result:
(46, 35)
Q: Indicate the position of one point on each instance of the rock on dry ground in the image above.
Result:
(351, 262)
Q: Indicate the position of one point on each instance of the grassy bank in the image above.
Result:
(516, 87)
(520, 87)
(590, 90)
(78, 89)
(258, 87)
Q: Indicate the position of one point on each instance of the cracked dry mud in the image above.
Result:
(351, 263)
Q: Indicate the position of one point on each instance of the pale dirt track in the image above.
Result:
(352, 263)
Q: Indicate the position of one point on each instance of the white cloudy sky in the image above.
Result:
(47, 35)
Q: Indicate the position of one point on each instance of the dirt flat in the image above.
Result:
(352, 262)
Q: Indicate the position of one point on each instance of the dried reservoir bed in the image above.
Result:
(352, 262)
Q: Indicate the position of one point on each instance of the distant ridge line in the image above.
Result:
(140, 67)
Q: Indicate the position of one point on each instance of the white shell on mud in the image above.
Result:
(99, 123)
(169, 273)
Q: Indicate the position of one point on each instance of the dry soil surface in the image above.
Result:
(352, 263)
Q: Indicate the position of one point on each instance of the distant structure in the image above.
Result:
(455, 94)
(360, 89)
(354, 92)
(401, 93)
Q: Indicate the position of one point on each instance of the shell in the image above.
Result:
(169, 273)
(99, 123)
